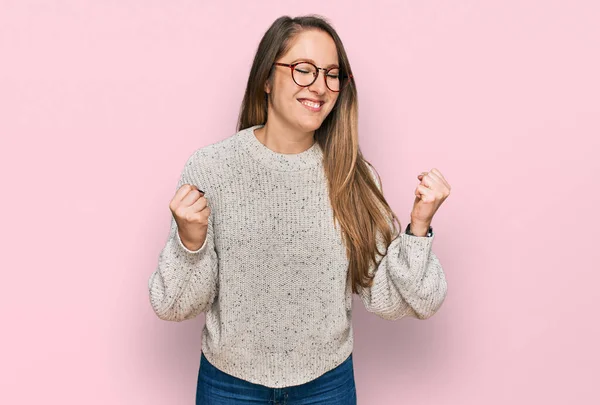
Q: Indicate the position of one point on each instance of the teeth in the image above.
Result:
(311, 104)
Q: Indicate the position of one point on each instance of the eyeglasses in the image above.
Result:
(305, 73)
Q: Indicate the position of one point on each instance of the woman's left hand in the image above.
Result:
(430, 194)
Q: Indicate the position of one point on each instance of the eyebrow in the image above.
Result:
(310, 60)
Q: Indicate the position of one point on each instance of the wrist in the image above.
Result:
(418, 228)
(189, 245)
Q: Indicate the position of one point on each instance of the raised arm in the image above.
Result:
(409, 280)
(185, 282)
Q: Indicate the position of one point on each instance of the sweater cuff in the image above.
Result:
(416, 244)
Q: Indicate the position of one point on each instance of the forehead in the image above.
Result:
(316, 45)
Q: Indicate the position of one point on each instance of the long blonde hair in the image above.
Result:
(355, 190)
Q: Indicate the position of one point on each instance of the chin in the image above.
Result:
(310, 124)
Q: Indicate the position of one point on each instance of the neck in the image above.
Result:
(283, 139)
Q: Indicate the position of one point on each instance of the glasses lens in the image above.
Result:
(334, 79)
(304, 74)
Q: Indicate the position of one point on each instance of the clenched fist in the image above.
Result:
(190, 210)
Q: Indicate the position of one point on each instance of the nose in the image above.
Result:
(319, 85)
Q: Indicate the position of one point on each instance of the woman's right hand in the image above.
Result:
(190, 210)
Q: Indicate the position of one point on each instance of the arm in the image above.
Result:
(409, 280)
(185, 282)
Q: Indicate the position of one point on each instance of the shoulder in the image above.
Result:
(211, 156)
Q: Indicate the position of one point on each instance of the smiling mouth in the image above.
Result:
(311, 106)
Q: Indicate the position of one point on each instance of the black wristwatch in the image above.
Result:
(429, 231)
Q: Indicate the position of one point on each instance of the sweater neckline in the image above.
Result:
(311, 157)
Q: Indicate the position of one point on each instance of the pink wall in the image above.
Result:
(102, 102)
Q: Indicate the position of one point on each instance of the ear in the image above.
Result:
(267, 87)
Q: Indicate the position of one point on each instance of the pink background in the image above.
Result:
(102, 102)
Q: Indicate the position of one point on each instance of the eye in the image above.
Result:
(334, 73)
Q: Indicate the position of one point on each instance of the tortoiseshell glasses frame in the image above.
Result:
(292, 66)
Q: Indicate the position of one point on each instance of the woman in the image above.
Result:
(275, 227)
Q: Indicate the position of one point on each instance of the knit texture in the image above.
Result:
(272, 273)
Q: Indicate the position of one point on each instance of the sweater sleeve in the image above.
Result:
(409, 280)
(185, 282)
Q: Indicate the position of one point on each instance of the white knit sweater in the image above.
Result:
(272, 273)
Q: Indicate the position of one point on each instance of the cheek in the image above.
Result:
(331, 105)
(287, 94)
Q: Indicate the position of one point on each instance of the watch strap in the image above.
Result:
(429, 231)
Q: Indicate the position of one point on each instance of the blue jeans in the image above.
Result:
(335, 387)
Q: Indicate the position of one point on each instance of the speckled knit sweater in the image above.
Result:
(272, 273)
